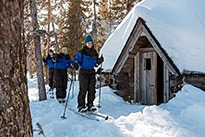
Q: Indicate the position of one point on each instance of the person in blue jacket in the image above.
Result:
(62, 63)
(87, 59)
(49, 61)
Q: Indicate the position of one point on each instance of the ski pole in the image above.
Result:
(63, 116)
(99, 106)
(72, 96)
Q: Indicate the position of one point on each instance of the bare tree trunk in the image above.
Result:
(29, 63)
(39, 66)
(15, 118)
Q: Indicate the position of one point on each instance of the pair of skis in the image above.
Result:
(90, 115)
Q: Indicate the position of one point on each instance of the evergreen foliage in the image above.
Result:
(71, 20)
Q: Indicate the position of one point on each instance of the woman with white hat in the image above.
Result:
(62, 63)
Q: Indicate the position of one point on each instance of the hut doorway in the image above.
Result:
(149, 77)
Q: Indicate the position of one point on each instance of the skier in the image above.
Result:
(49, 61)
(87, 59)
(62, 63)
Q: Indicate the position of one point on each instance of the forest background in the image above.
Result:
(67, 22)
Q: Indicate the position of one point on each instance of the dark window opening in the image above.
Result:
(147, 64)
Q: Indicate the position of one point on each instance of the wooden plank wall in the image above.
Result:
(166, 84)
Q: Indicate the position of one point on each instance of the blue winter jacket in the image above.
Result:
(62, 61)
(48, 62)
(86, 60)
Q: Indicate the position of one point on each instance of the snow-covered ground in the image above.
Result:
(183, 116)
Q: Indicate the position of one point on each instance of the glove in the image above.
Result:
(75, 65)
(55, 57)
(100, 60)
(44, 60)
(53, 60)
(99, 71)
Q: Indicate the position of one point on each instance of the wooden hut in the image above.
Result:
(144, 73)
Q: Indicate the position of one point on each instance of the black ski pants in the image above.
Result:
(61, 79)
(87, 86)
(50, 79)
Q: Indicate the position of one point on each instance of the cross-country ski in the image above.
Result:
(85, 115)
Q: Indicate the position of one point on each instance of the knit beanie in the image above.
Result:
(88, 39)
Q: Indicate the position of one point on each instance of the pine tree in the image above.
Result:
(48, 17)
(15, 118)
(106, 15)
(111, 13)
(72, 28)
(121, 8)
(89, 15)
(102, 34)
(105, 21)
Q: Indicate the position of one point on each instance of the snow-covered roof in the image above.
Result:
(178, 25)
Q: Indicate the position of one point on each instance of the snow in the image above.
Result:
(182, 116)
(178, 25)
